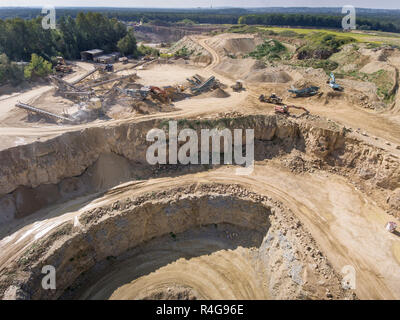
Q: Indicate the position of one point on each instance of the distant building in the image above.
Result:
(107, 58)
(90, 55)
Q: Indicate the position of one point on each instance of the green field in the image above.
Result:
(360, 36)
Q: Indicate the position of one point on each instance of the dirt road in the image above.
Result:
(8, 103)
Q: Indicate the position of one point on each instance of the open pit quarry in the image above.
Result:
(81, 196)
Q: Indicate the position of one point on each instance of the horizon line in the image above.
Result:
(198, 7)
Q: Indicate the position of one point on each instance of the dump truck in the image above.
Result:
(62, 66)
(238, 86)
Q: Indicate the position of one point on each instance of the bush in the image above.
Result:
(322, 45)
(187, 22)
(327, 65)
(148, 51)
(183, 52)
(10, 72)
(269, 50)
(290, 34)
(127, 45)
(38, 68)
(243, 29)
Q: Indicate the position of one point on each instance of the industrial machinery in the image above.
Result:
(333, 84)
(238, 86)
(160, 94)
(141, 93)
(109, 67)
(42, 112)
(306, 92)
(273, 98)
(62, 66)
(285, 109)
(204, 86)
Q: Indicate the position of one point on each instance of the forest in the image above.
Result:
(320, 21)
(367, 19)
(20, 38)
(26, 40)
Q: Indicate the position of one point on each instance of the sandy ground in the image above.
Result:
(210, 260)
(346, 223)
(7, 103)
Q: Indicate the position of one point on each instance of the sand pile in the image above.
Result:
(376, 66)
(202, 59)
(190, 45)
(109, 170)
(219, 93)
(265, 76)
(253, 71)
(303, 83)
(235, 44)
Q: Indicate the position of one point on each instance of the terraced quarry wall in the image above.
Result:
(43, 173)
(266, 251)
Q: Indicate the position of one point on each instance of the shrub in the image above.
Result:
(127, 45)
(321, 45)
(148, 51)
(270, 50)
(38, 68)
(10, 72)
(184, 52)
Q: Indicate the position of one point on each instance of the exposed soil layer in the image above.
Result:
(36, 175)
(267, 250)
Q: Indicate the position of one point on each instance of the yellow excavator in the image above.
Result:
(62, 66)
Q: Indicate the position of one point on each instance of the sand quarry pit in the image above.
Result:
(193, 242)
(84, 199)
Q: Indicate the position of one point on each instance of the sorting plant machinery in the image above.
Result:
(306, 92)
(333, 84)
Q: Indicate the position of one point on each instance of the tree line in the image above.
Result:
(80, 19)
(20, 38)
(321, 21)
(26, 40)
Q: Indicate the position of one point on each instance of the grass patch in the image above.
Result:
(243, 28)
(183, 52)
(374, 38)
(321, 45)
(269, 50)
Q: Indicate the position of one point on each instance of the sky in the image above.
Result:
(382, 4)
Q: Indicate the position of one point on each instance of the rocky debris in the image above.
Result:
(394, 200)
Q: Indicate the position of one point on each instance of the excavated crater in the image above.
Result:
(192, 242)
